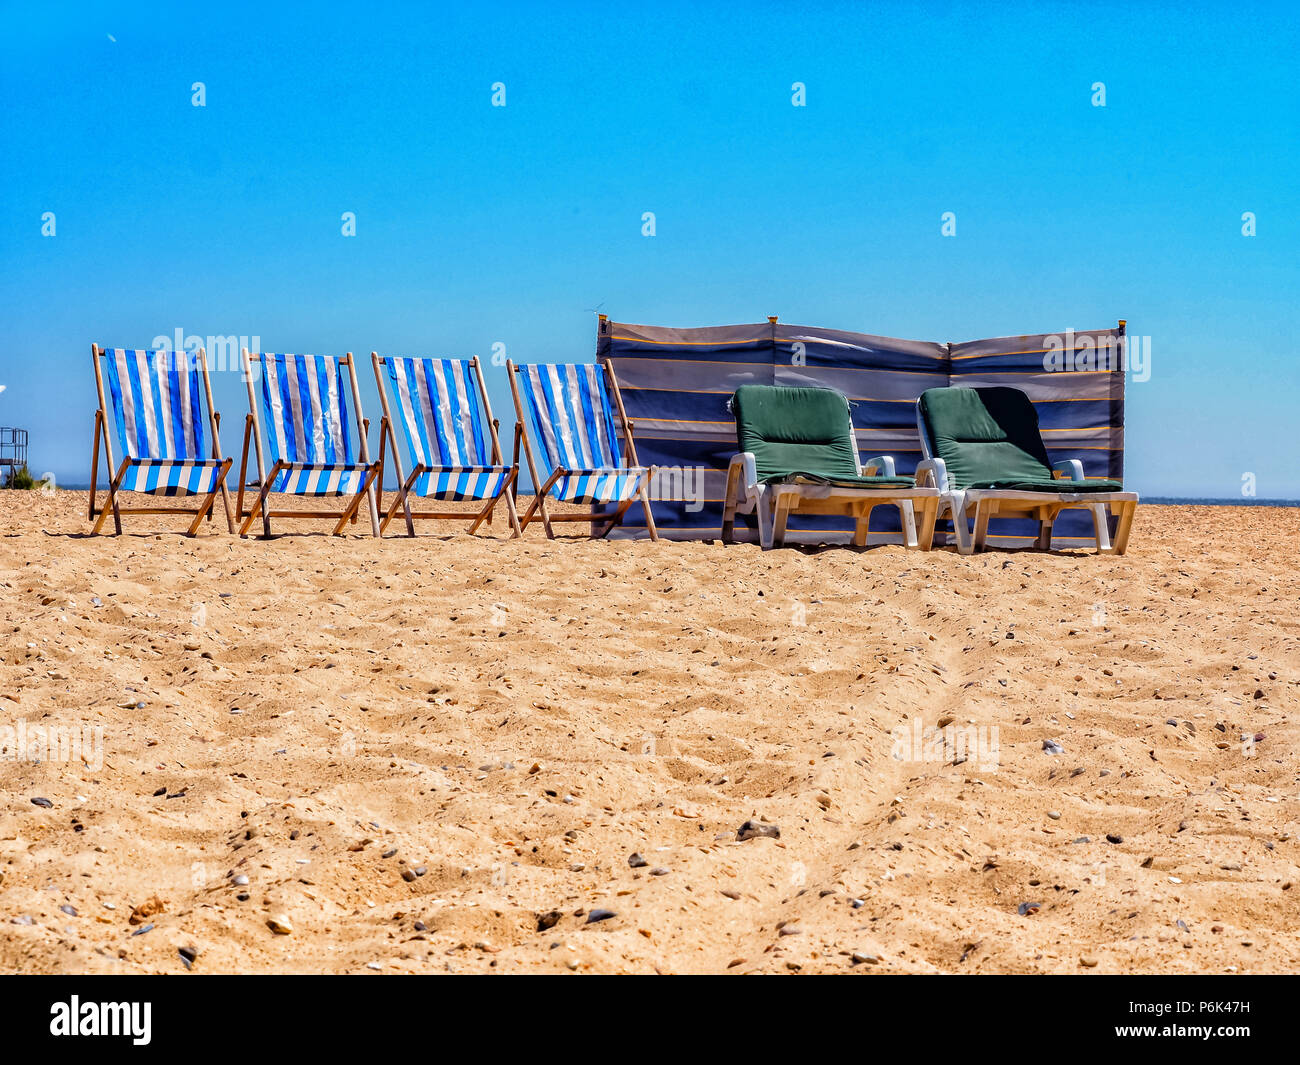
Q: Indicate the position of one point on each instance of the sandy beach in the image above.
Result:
(342, 755)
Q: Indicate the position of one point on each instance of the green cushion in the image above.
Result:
(795, 430)
(988, 438)
(1042, 485)
(844, 482)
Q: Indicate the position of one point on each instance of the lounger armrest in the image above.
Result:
(745, 465)
(883, 463)
(932, 473)
(1068, 470)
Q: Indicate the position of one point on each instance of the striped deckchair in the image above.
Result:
(312, 454)
(157, 408)
(565, 409)
(451, 439)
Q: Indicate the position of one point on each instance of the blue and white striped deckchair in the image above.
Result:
(565, 409)
(451, 438)
(301, 399)
(157, 402)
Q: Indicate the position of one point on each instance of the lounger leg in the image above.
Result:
(983, 511)
(908, 515)
(929, 518)
(1126, 513)
(1044, 542)
(862, 528)
(731, 501)
(957, 504)
(763, 512)
(1102, 526)
(779, 520)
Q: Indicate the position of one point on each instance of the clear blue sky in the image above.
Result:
(478, 225)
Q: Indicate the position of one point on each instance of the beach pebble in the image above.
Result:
(660, 870)
(142, 931)
(71, 911)
(42, 802)
(241, 880)
(279, 925)
(188, 955)
(1052, 747)
(408, 875)
(754, 829)
(1114, 837)
(600, 915)
(1055, 815)
(1088, 962)
(636, 861)
(1028, 909)
(859, 958)
(22, 918)
(548, 920)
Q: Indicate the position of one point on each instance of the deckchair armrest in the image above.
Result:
(1073, 468)
(883, 463)
(932, 473)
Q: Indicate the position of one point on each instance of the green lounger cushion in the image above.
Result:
(1052, 485)
(989, 438)
(801, 433)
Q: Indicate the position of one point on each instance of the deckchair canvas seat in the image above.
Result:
(321, 479)
(995, 464)
(451, 439)
(155, 402)
(798, 455)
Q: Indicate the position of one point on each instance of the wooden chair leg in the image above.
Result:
(509, 492)
(259, 504)
(111, 505)
(94, 463)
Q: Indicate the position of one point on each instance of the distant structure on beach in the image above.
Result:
(13, 450)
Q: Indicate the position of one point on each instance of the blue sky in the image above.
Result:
(479, 224)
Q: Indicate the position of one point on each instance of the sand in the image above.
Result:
(415, 750)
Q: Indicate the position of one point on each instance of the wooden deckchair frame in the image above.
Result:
(405, 482)
(610, 522)
(253, 430)
(203, 510)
